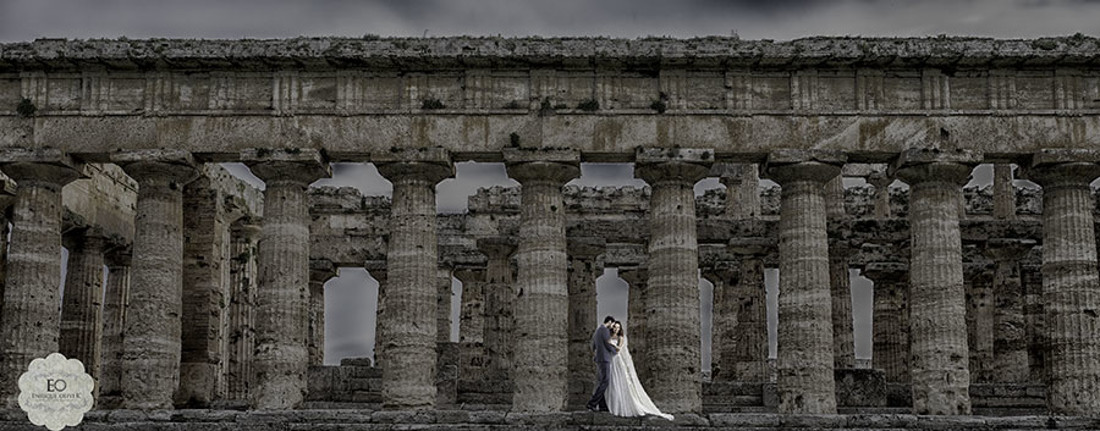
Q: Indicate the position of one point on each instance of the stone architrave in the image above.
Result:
(1071, 283)
(584, 268)
(320, 272)
(804, 359)
(636, 279)
(540, 361)
(500, 298)
(1010, 355)
(750, 340)
(890, 339)
(241, 332)
(281, 315)
(151, 344)
(29, 321)
(114, 318)
(82, 304)
(978, 281)
(725, 276)
(206, 240)
(937, 300)
(672, 296)
(410, 300)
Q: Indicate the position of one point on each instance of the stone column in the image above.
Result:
(205, 245)
(29, 321)
(750, 341)
(151, 344)
(471, 328)
(1071, 285)
(725, 277)
(881, 182)
(320, 272)
(979, 320)
(245, 232)
(114, 318)
(840, 282)
(7, 200)
(636, 278)
(542, 293)
(381, 275)
(672, 296)
(281, 360)
(443, 305)
(1031, 276)
(1010, 356)
(937, 324)
(82, 303)
(805, 335)
(742, 191)
(500, 297)
(584, 268)
(412, 290)
(1004, 193)
(890, 322)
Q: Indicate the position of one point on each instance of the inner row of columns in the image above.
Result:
(150, 353)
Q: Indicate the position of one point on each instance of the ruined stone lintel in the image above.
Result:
(320, 272)
(281, 312)
(540, 357)
(805, 355)
(1010, 355)
(411, 295)
(672, 291)
(152, 346)
(938, 331)
(1070, 279)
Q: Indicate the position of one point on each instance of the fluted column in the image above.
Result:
(844, 348)
(1031, 276)
(890, 322)
(500, 297)
(82, 303)
(938, 341)
(320, 272)
(1004, 193)
(242, 300)
(7, 201)
(978, 281)
(805, 335)
(151, 345)
(381, 275)
(881, 199)
(282, 295)
(672, 296)
(742, 191)
(205, 245)
(1071, 285)
(750, 341)
(636, 279)
(408, 323)
(443, 305)
(725, 277)
(29, 321)
(447, 359)
(471, 328)
(114, 318)
(1010, 356)
(542, 293)
(584, 268)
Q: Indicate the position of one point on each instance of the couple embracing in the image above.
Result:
(618, 390)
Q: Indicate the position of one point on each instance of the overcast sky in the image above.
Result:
(351, 297)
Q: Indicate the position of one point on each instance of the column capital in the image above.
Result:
(977, 272)
(429, 164)
(586, 248)
(920, 165)
(469, 274)
(559, 166)
(722, 271)
(1007, 249)
(118, 256)
(40, 165)
(248, 228)
(172, 166)
(886, 272)
(785, 166)
(687, 165)
(497, 246)
(1057, 167)
(302, 166)
(733, 173)
(85, 236)
(321, 270)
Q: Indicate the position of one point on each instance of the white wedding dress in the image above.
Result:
(625, 395)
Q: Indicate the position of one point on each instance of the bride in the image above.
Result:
(625, 395)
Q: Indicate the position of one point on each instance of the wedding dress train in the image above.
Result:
(625, 395)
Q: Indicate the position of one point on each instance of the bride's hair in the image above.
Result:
(620, 332)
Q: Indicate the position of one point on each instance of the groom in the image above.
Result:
(603, 353)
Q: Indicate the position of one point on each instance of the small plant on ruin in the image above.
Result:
(590, 105)
(514, 139)
(545, 108)
(659, 105)
(26, 108)
(430, 104)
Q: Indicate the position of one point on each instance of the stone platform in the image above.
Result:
(176, 420)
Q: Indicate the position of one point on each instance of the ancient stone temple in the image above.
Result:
(198, 300)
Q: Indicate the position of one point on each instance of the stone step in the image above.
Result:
(733, 400)
(716, 389)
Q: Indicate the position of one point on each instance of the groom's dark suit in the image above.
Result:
(604, 351)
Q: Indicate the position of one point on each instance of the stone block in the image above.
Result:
(899, 395)
(771, 395)
(860, 387)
